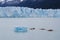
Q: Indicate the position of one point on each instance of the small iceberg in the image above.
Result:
(21, 29)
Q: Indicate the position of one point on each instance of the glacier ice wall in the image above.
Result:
(24, 12)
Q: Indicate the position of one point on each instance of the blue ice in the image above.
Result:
(20, 29)
(24, 12)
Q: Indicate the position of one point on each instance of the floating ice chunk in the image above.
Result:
(21, 29)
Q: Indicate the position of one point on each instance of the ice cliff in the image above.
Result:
(24, 12)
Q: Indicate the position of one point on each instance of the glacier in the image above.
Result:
(25, 12)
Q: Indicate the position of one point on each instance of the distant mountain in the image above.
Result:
(33, 3)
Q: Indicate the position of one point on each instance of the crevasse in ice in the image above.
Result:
(24, 12)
